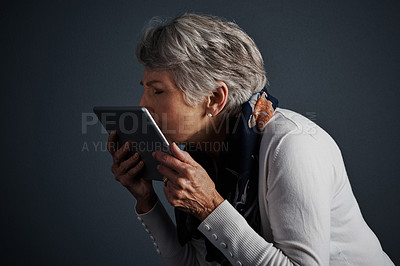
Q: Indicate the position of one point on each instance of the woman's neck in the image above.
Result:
(213, 138)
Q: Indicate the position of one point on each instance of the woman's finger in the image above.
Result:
(172, 175)
(169, 161)
(167, 194)
(181, 155)
(112, 142)
(122, 152)
(129, 163)
(170, 192)
(128, 178)
(176, 197)
(136, 169)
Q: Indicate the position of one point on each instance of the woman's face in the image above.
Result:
(178, 121)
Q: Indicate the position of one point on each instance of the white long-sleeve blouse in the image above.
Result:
(308, 211)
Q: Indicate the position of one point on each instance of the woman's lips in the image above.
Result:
(155, 116)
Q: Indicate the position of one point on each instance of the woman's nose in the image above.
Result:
(142, 101)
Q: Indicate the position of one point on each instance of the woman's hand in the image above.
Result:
(126, 169)
(189, 187)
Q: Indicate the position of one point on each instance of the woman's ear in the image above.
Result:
(217, 101)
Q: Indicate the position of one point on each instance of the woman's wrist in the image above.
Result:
(216, 200)
(144, 205)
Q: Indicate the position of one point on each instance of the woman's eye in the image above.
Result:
(157, 92)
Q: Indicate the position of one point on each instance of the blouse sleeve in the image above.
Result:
(162, 232)
(298, 198)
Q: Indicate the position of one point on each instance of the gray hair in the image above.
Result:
(200, 50)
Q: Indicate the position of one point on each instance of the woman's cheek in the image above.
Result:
(168, 127)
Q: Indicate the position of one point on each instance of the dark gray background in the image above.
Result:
(336, 62)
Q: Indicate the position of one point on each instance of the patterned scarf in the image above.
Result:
(236, 176)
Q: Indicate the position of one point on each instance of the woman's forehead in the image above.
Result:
(151, 77)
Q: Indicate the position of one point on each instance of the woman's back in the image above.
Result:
(312, 213)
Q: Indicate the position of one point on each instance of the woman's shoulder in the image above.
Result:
(296, 134)
(299, 153)
(286, 122)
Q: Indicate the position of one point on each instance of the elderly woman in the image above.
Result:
(255, 184)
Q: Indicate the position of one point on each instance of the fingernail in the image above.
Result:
(176, 146)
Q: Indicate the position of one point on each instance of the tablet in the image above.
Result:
(135, 124)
